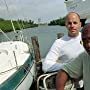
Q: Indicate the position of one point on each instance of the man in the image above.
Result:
(78, 67)
(66, 48)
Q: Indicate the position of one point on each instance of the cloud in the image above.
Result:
(33, 9)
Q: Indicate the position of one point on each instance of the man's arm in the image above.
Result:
(50, 62)
(61, 80)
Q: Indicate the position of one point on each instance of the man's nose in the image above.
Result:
(72, 24)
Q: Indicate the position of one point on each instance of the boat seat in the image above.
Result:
(46, 81)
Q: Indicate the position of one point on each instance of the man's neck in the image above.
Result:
(73, 35)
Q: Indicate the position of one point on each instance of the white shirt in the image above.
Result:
(62, 51)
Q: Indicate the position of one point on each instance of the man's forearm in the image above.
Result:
(61, 80)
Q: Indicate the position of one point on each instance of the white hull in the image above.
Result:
(25, 85)
(17, 67)
(80, 6)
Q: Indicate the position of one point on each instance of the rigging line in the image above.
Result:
(12, 21)
(20, 25)
(18, 20)
(9, 15)
(4, 34)
(6, 6)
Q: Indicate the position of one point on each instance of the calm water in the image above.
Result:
(46, 36)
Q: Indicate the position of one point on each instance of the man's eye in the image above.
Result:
(74, 22)
(69, 23)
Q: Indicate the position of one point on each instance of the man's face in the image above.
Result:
(73, 24)
(86, 39)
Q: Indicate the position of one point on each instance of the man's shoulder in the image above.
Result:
(63, 38)
(83, 55)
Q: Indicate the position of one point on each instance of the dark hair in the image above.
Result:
(86, 27)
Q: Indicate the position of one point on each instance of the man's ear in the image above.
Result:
(80, 24)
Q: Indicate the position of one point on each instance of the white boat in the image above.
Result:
(80, 6)
(17, 67)
(17, 64)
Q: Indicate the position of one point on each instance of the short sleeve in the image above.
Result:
(75, 67)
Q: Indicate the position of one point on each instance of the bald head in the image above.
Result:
(72, 14)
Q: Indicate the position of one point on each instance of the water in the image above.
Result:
(46, 36)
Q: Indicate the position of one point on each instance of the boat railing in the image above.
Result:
(15, 60)
(21, 38)
(4, 34)
(7, 70)
(48, 82)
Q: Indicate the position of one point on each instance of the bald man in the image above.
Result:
(79, 67)
(66, 48)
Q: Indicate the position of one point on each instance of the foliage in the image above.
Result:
(60, 22)
(6, 25)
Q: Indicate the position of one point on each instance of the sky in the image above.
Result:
(45, 10)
